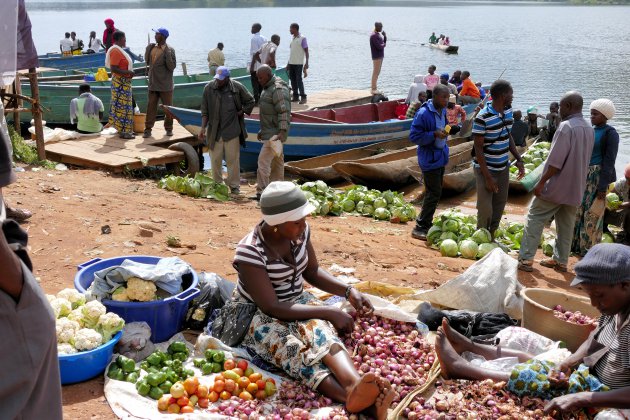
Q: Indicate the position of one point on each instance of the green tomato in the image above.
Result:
(216, 367)
(218, 357)
(206, 368)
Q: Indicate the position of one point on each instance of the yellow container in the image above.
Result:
(138, 122)
(538, 316)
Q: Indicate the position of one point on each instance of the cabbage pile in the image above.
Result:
(612, 201)
(533, 158)
(358, 200)
(201, 186)
(455, 234)
(82, 326)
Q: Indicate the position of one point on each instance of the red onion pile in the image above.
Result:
(391, 349)
(576, 317)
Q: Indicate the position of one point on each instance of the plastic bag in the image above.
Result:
(135, 342)
(470, 324)
(214, 292)
(101, 75)
(276, 146)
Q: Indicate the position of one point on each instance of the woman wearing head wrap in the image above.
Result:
(108, 34)
(121, 104)
(292, 329)
(589, 220)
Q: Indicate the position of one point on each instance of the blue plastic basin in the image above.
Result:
(85, 365)
(165, 317)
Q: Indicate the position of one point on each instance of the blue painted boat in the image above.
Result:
(57, 61)
(317, 132)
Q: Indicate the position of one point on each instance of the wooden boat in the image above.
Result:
(187, 93)
(320, 167)
(459, 160)
(139, 69)
(317, 132)
(449, 49)
(387, 171)
(58, 61)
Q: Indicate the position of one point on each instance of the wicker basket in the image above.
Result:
(538, 316)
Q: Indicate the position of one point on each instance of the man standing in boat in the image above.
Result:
(65, 45)
(216, 59)
(378, 41)
(255, 44)
(429, 132)
(161, 61)
(493, 143)
(267, 53)
(275, 117)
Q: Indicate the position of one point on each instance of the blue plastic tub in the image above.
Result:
(85, 365)
(165, 317)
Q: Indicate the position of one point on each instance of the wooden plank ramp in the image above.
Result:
(334, 98)
(115, 154)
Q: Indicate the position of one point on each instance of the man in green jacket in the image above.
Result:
(161, 60)
(224, 103)
(275, 118)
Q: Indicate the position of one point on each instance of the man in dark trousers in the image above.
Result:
(161, 60)
(429, 132)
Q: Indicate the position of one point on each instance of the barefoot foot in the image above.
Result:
(363, 393)
(459, 342)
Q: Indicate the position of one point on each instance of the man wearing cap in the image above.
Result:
(455, 114)
(275, 118)
(561, 187)
(223, 125)
(451, 87)
(161, 61)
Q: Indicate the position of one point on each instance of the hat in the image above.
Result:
(452, 99)
(603, 264)
(605, 106)
(444, 76)
(532, 110)
(283, 201)
(222, 73)
(161, 31)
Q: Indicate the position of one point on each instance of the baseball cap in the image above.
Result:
(603, 264)
(162, 31)
(222, 73)
(444, 76)
(452, 99)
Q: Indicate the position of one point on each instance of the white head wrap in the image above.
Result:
(605, 106)
(283, 201)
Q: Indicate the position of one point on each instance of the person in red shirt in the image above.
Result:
(455, 114)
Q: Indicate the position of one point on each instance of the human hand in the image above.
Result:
(538, 189)
(341, 320)
(202, 134)
(440, 134)
(601, 195)
(359, 301)
(566, 403)
(625, 205)
(521, 169)
(240, 113)
(491, 185)
(259, 135)
(282, 136)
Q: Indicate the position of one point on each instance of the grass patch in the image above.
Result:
(25, 153)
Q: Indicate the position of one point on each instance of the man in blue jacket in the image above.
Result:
(428, 131)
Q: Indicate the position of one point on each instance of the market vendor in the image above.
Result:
(600, 368)
(291, 328)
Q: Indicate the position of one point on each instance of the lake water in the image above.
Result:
(543, 51)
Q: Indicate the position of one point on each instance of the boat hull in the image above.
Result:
(449, 49)
(57, 61)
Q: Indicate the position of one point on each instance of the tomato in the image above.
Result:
(187, 409)
(173, 409)
(261, 394)
(248, 371)
(192, 401)
(225, 395)
(229, 364)
(273, 381)
(163, 403)
(182, 401)
(204, 402)
(178, 390)
(242, 365)
(191, 384)
(230, 385)
(270, 388)
(260, 384)
(213, 396)
(255, 377)
(218, 386)
(202, 391)
(243, 382)
(238, 371)
(245, 396)
(252, 388)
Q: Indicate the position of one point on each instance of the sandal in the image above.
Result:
(551, 263)
(526, 265)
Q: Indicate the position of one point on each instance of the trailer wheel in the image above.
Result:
(190, 164)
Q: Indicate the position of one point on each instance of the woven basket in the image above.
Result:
(538, 316)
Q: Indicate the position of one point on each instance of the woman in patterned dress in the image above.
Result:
(291, 328)
(121, 106)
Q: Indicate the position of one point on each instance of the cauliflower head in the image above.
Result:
(87, 339)
(65, 348)
(74, 297)
(50, 297)
(66, 329)
(61, 307)
(120, 294)
(108, 325)
(140, 290)
(77, 316)
(92, 312)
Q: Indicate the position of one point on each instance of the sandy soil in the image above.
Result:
(70, 207)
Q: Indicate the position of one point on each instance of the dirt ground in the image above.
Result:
(70, 208)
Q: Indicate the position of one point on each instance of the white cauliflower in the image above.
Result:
(140, 290)
(74, 296)
(66, 329)
(50, 297)
(92, 312)
(77, 316)
(87, 339)
(120, 295)
(61, 307)
(65, 348)
(108, 325)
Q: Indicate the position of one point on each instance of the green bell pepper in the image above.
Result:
(209, 354)
(163, 356)
(143, 388)
(177, 347)
(132, 377)
(172, 377)
(126, 364)
(166, 386)
(167, 363)
(216, 367)
(155, 379)
(187, 373)
(198, 363)
(115, 372)
(156, 393)
(166, 369)
(206, 369)
(180, 356)
(218, 357)
(154, 359)
(176, 365)
(153, 369)
(145, 365)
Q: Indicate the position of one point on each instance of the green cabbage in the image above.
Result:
(433, 235)
(380, 202)
(450, 225)
(612, 201)
(607, 238)
(481, 236)
(485, 248)
(468, 249)
(448, 248)
(382, 214)
(347, 205)
(448, 235)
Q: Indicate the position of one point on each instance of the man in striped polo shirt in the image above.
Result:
(493, 142)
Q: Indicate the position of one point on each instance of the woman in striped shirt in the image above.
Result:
(597, 375)
(291, 328)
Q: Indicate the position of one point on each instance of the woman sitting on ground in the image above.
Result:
(291, 328)
(604, 274)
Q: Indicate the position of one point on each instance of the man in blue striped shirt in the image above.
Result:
(493, 142)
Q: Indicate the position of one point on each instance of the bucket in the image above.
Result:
(165, 317)
(538, 316)
(138, 122)
(86, 365)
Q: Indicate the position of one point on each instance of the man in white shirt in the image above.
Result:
(94, 44)
(256, 43)
(298, 63)
(267, 54)
(65, 45)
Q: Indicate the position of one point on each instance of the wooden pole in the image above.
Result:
(37, 114)
(18, 103)
(185, 69)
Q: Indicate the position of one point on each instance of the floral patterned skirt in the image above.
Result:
(587, 232)
(121, 108)
(295, 347)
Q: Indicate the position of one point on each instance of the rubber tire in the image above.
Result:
(190, 156)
